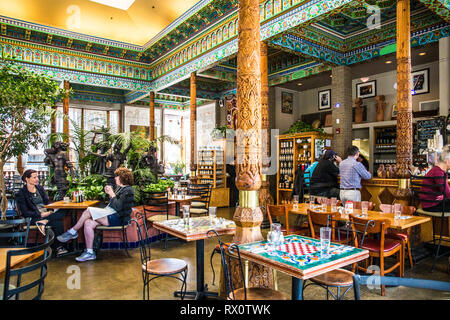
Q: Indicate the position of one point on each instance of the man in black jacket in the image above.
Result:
(30, 201)
(324, 180)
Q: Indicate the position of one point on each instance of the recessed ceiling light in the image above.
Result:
(389, 62)
(299, 83)
(331, 76)
(119, 4)
(365, 79)
(422, 53)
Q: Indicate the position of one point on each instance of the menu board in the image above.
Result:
(426, 130)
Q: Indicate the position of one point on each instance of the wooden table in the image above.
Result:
(197, 232)
(16, 261)
(180, 199)
(305, 263)
(399, 224)
(73, 208)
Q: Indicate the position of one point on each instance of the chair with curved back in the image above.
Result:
(359, 280)
(100, 229)
(278, 211)
(15, 231)
(200, 206)
(156, 209)
(358, 205)
(417, 184)
(379, 246)
(28, 271)
(157, 268)
(403, 236)
(230, 255)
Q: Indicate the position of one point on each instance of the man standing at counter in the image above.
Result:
(351, 172)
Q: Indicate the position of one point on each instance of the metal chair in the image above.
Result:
(359, 280)
(417, 184)
(15, 230)
(31, 226)
(230, 255)
(98, 237)
(156, 206)
(200, 206)
(40, 263)
(166, 267)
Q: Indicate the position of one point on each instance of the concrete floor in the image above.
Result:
(115, 276)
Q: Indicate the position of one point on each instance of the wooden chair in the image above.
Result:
(339, 278)
(29, 276)
(381, 247)
(200, 206)
(230, 257)
(157, 268)
(417, 187)
(402, 236)
(357, 205)
(274, 211)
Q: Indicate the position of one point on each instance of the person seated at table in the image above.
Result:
(324, 180)
(437, 171)
(116, 213)
(31, 200)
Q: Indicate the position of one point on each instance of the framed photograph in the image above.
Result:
(394, 111)
(420, 81)
(325, 99)
(366, 89)
(287, 100)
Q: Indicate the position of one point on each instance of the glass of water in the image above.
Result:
(295, 202)
(325, 239)
(348, 207)
(333, 204)
(364, 208)
(186, 210)
(397, 211)
(312, 201)
(212, 215)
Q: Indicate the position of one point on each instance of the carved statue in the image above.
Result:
(150, 160)
(381, 172)
(359, 110)
(100, 150)
(380, 107)
(56, 158)
(388, 171)
(114, 159)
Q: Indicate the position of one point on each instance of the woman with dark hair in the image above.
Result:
(364, 161)
(31, 200)
(324, 179)
(117, 213)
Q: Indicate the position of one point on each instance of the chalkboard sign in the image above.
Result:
(426, 130)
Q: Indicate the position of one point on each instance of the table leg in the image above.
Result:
(177, 209)
(297, 288)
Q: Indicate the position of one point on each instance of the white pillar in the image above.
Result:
(444, 76)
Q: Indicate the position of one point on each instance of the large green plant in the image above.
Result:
(25, 113)
(91, 186)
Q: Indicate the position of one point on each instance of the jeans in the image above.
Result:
(350, 195)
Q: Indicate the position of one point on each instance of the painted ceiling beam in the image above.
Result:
(440, 7)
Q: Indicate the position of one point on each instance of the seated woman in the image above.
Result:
(437, 171)
(30, 201)
(117, 213)
(324, 179)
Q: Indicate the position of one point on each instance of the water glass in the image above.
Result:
(295, 202)
(397, 211)
(212, 215)
(312, 201)
(186, 209)
(324, 207)
(333, 204)
(364, 208)
(348, 207)
(325, 239)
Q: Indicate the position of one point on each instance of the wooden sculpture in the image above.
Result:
(380, 107)
(359, 110)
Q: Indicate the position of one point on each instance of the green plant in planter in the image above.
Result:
(300, 126)
(161, 186)
(219, 132)
(91, 186)
(178, 167)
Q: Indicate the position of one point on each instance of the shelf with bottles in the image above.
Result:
(211, 167)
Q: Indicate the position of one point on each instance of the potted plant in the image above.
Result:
(219, 132)
(25, 100)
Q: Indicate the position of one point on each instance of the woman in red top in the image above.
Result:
(437, 171)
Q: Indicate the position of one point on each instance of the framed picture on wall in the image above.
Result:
(325, 99)
(420, 81)
(287, 101)
(366, 89)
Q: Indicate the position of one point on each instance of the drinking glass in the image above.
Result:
(324, 206)
(212, 215)
(325, 239)
(348, 207)
(312, 202)
(364, 208)
(333, 204)
(397, 211)
(275, 229)
(186, 209)
(295, 202)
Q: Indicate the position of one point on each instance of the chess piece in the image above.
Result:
(381, 172)
(388, 171)
(380, 107)
(359, 110)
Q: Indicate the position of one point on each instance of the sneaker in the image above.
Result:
(66, 236)
(85, 256)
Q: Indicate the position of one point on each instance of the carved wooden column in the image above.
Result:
(82, 128)
(248, 215)
(404, 98)
(108, 119)
(120, 129)
(53, 123)
(182, 139)
(193, 108)
(265, 197)
(152, 116)
(66, 113)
